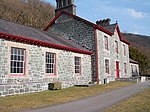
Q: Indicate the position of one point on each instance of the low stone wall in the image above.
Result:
(31, 87)
(127, 79)
(13, 89)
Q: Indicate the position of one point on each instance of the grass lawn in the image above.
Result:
(47, 98)
(138, 103)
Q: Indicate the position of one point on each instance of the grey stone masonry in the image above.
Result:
(35, 78)
(77, 32)
(113, 57)
(82, 34)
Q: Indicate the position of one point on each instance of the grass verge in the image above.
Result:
(138, 103)
(48, 98)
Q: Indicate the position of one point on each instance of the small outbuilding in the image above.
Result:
(134, 68)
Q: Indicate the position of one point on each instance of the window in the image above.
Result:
(77, 65)
(69, 2)
(116, 47)
(136, 69)
(132, 69)
(50, 63)
(107, 66)
(124, 50)
(60, 3)
(64, 2)
(125, 68)
(17, 61)
(106, 42)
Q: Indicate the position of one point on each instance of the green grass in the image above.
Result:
(47, 98)
(138, 103)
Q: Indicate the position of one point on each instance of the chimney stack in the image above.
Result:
(67, 5)
(104, 22)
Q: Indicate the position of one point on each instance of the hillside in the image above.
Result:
(139, 41)
(34, 13)
(142, 43)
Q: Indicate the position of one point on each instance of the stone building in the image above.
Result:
(110, 58)
(70, 50)
(30, 59)
(134, 65)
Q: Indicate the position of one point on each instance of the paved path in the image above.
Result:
(97, 103)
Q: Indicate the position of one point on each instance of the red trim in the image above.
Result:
(124, 50)
(120, 35)
(103, 29)
(41, 43)
(116, 47)
(117, 69)
(96, 46)
(80, 65)
(125, 68)
(106, 41)
(24, 73)
(108, 66)
(54, 66)
(77, 17)
(53, 21)
(25, 62)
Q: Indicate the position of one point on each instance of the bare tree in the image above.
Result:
(35, 13)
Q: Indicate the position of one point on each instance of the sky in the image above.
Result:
(133, 16)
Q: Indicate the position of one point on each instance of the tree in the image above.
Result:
(144, 63)
(34, 13)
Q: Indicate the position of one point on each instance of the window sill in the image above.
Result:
(78, 74)
(17, 75)
(52, 75)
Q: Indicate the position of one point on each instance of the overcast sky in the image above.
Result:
(133, 16)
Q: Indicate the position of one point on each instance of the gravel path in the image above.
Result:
(97, 103)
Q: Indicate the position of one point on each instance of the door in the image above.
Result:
(117, 69)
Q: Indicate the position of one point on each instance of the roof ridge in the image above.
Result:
(29, 35)
(110, 25)
(77, 17)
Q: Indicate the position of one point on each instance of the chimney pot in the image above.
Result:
(104, 22)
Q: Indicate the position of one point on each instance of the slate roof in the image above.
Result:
(133, 61)
(109, 30)
(111, 27)
(31, 33)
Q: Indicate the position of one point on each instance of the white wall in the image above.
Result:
(134, 69)
(112, 56)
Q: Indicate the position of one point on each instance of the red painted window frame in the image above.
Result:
(116, 47)
(48, 74)
(117, 69)
(124, 50)
(69, 2)
(106, 43)
(125, 68)
(79, 65)
(24, 68)
(107, 67)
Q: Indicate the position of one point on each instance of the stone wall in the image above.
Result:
(112, 56)
(77, 32)
(35, 78)
(83, 35)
